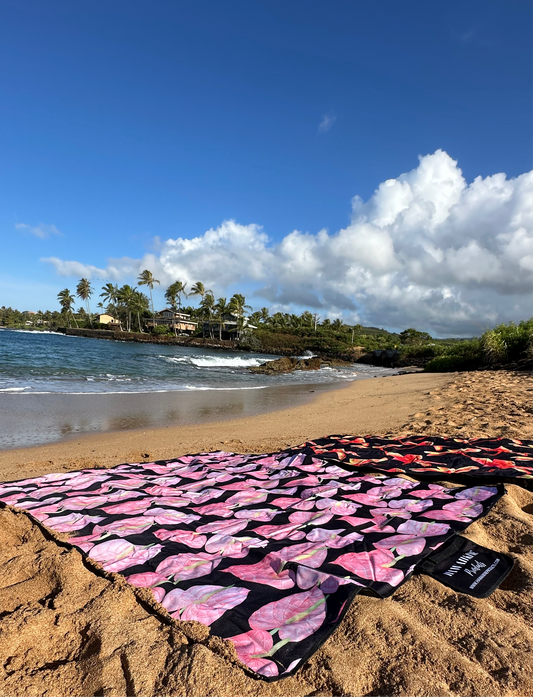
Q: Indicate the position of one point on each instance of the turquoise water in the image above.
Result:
(38, 362)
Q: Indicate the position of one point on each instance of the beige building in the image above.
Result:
(178, 321)
(107, 319)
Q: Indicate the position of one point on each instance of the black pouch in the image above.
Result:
(467, 567)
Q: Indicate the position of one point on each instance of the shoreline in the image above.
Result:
(377, 405)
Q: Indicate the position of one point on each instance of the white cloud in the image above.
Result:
(326, 123)
(426, 250)
(42, 231)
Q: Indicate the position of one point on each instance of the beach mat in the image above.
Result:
(267, 550)
(478, 460)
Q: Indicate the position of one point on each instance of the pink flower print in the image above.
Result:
(228, 527)
(186, 537)
(83, 481)
(235, 547)
(410, 505)
(285, 502)
(250, 646)
(200, 497)
(365, 499)
(158, 593)
(380, 523)
(163, 491)
(462, 510)
(184, 567)
(128, 507)
(310, 480)
(124, 495)
(167, 481)
(421, 529)
(355, 521)
(309, 554)
(236, 486)
(477, 493)
(147, 579)
(316, 466)
(12, 499)
(246, 498)
(128, 526)
(40, 505)
(434, 491)
(385, 492)
(295, 617)
(165, 516)
(373, 566)
(169, 501)
(325, 491)
(204, 604)
(218, 509)
(335, 471)
(44, 510)
(337, 507)
(332, 538)
(311, 517)
(117, 555)
(78, 503)
(45, 491)
(404, 545)
(260, 514)
(400, 483)
(307, 578)
(71, 522)
(278, 532)
(268, 572)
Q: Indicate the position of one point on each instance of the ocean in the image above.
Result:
(45, 362)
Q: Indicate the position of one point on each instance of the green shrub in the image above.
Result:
(466, 355)
(423, 351)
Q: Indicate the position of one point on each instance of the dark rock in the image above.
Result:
(280, 365)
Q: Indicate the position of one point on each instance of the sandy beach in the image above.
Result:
(68, 630)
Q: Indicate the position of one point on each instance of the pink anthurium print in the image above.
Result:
(337, 507)
(385, 492)
(198, 498)
(250, 646)
(236, 486)
(147, 579)
(122, 495)
(71, 522)
(376, 565)
(404, 545)
(410, 505)
(228, 527)
(186, 537)
(356, 521)
(128, 507)
(307, 578)
(183, 567)
(421, 529)
(218, 509)
(295, 617)
(204, 604)
(78, 503)
(400, 482)
(277, 532)
(246, 498)
(365, 499)
(477, 493)
(462, 510)
(267, 572)
(164, 516)
(128, 526)
(434, 491)
(117, 555)
(235, 547)
(332, 538)
(311, 517)
(311, 554)
(260, 514)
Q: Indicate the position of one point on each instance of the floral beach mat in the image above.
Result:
(479, 460)
(267, 550)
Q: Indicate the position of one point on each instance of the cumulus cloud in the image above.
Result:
(326, 123)
(427, 250)
(42, 231)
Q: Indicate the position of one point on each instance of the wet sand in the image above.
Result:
(67, 630)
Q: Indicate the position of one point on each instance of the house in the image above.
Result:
(178, 321)
(230, 327)
(109, 320)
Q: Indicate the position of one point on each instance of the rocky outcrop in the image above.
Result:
(288, 365)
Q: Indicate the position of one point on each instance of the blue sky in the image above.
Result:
(125, 125)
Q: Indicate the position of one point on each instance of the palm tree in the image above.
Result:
(265, 315)
(199, 289)
(110, 294)
(146, 278)
(126, 296)
(222, 308)
(208, 305)
(84, 291)
(139, 304)
(66, 301)
(238, 306)
(173, 294)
